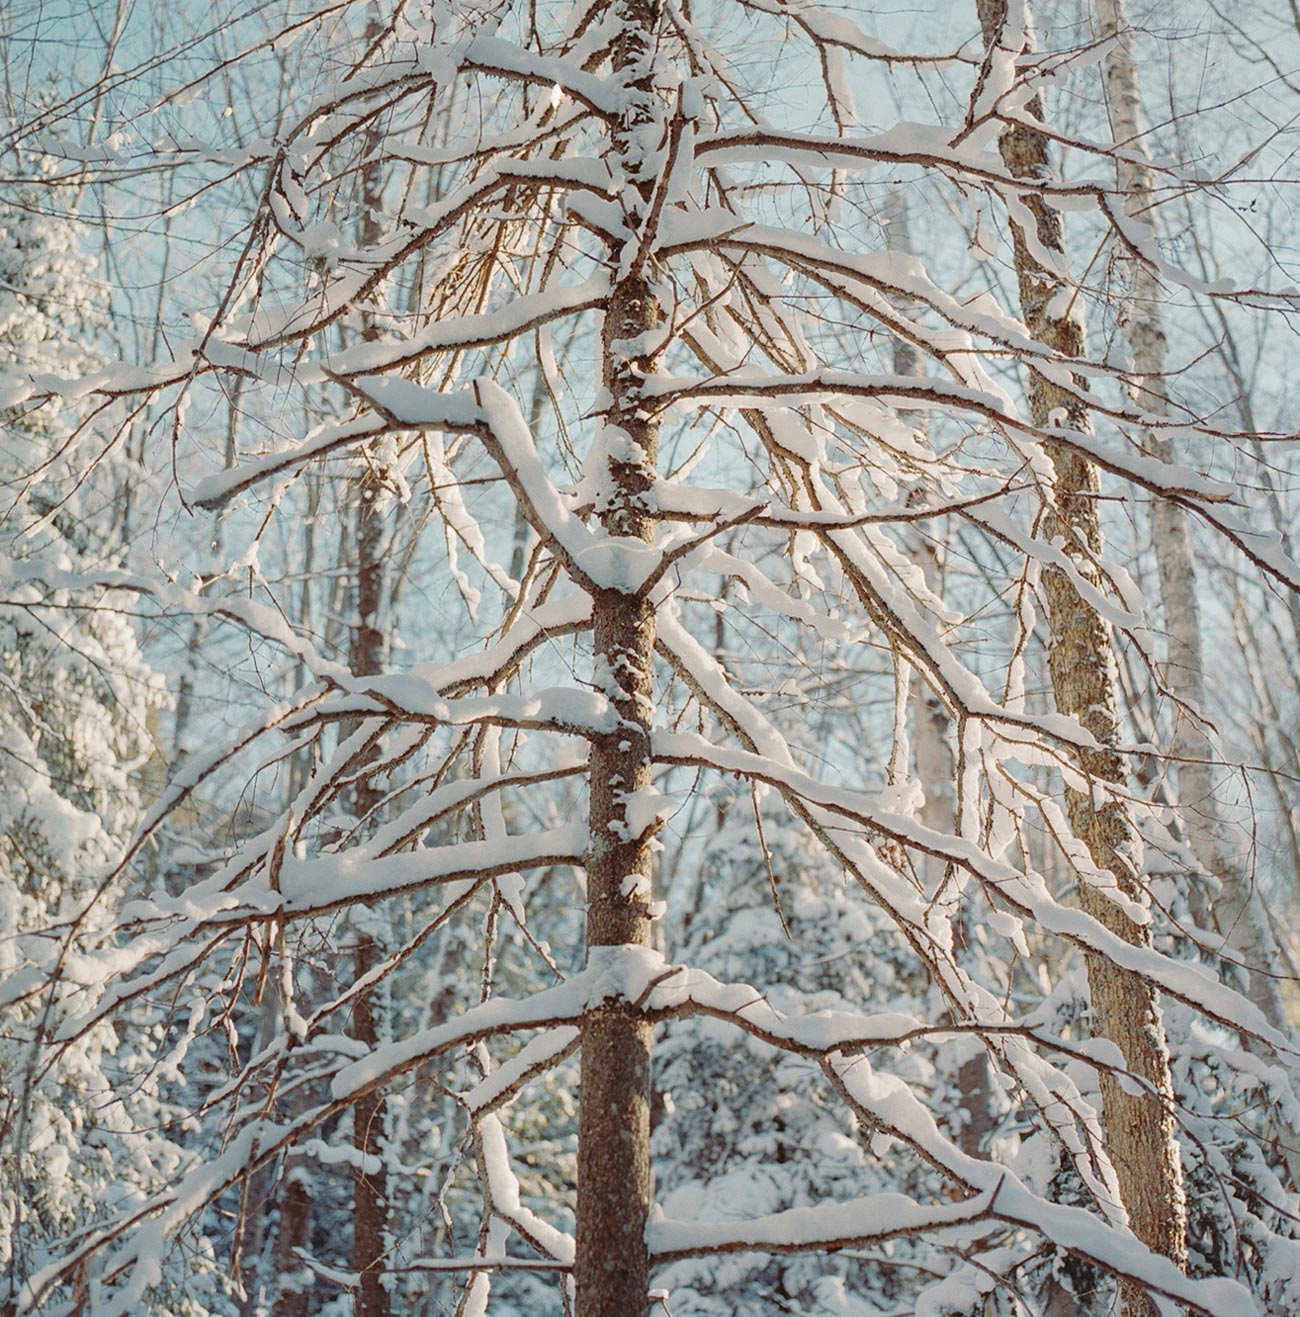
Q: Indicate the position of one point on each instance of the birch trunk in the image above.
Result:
(930, 725)
(1139, 1126)
(612, 1264)
(931, 732)
(1238, 910)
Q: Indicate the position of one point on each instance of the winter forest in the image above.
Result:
(649, 658)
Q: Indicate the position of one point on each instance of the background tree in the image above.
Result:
(83, 1124)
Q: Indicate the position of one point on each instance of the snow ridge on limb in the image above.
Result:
(1021, 891)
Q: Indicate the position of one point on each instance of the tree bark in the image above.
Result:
(366, 659)
(292, 1282)
(1139, 1126)
(612, 1264)
(370, 1191)
(370, 1188)
(1239, 912)
(370, 1183)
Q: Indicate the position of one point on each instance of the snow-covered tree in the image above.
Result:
(79, 1116)
(688, 749)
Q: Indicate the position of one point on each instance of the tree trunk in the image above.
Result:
(366, 659)
(612, 1266)
(292, 1282)
(370, 1203)
(931, 734)
(1239, 912)
(930, 724)
(1139, 1126)
(370, 1187)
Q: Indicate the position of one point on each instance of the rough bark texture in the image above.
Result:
(612, 1265)
(293, 1279)
(365, 659)
(370, 1187)
(1239, 912)
(1139, 1127)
